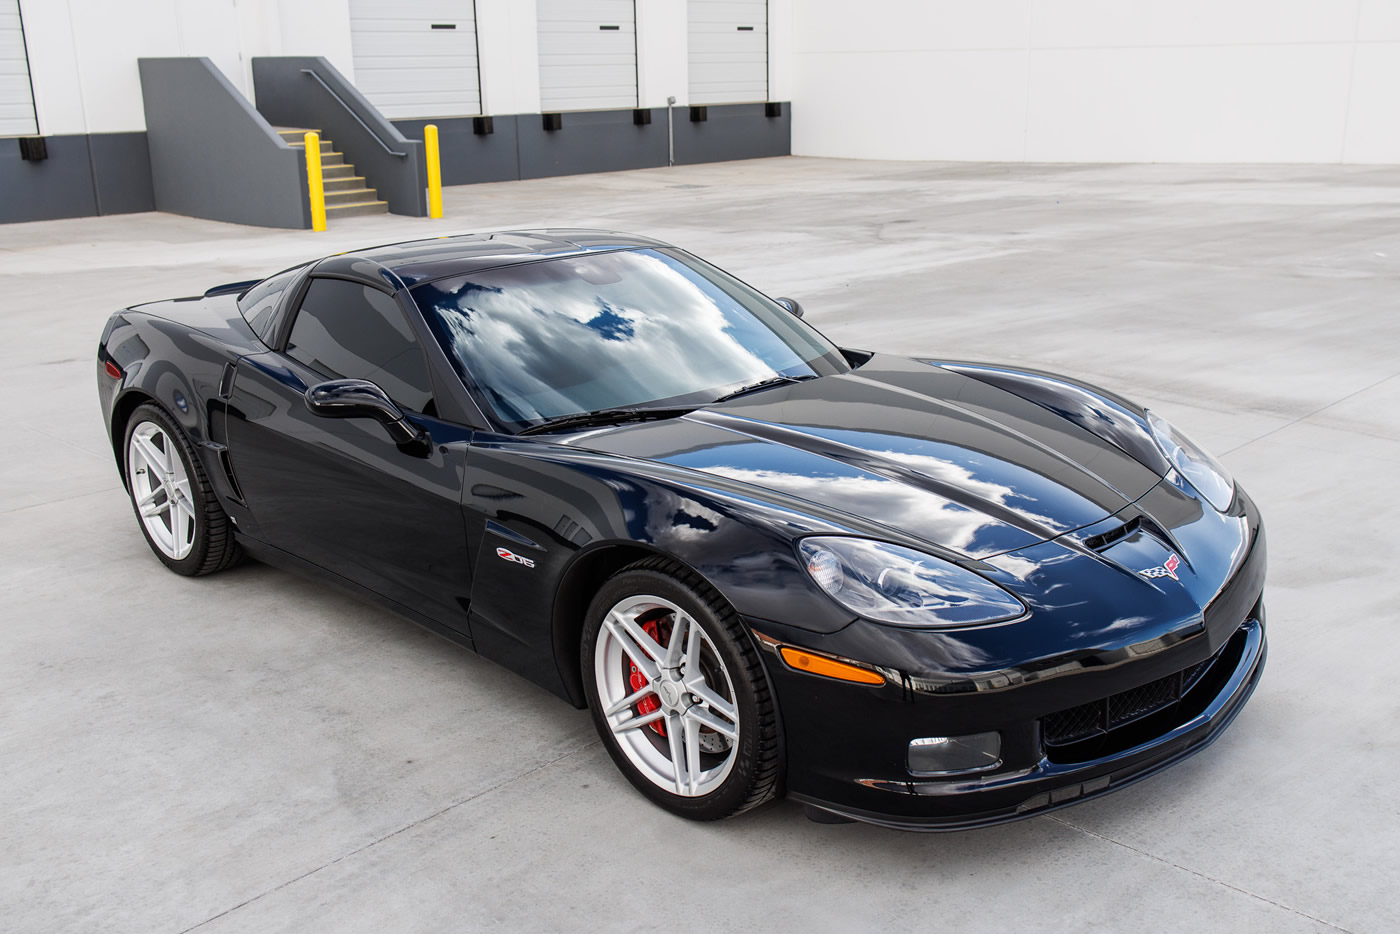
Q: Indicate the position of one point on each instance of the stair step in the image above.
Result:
(301, 144)
(352, 196)
(357, 208)
(297, 131)
(338, 171)
(343, 182)
(332, 158)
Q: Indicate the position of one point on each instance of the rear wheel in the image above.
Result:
(174, 503)
(678, 693)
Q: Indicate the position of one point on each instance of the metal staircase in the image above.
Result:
(347, 195)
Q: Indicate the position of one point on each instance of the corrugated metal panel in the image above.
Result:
(728, 51)
(406, 67)
(16, 95)
(588, 54)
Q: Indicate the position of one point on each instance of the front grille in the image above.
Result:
(1190, 676)
(1075, 723)
(1102, 716)
(1130, 705)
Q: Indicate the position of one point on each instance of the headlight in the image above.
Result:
(1201, 470)
(893, 584)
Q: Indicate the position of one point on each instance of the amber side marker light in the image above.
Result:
(828, 667)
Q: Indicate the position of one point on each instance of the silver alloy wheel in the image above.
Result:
(687, 683)
(160, 488)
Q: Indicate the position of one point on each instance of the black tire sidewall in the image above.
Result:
(194, 561)
(737, 787)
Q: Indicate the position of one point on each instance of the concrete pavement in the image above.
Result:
(254, 752)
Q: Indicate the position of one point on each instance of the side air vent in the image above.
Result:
(226, 382)
(227, 464)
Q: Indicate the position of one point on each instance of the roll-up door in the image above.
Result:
(416, 58)
(16, 94)
(588, 54)
(728, 51)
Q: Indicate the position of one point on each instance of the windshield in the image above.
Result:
(596, 331)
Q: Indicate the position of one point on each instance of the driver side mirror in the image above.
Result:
(359, 398)
(791, 304)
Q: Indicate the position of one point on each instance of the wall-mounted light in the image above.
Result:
(552, 122)
(641, 116)
(773, 109)
(699, 114)
(33, 148)
(483, 126)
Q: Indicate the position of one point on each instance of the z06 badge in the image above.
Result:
(512, 556)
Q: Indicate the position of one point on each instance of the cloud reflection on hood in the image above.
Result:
(933, 518)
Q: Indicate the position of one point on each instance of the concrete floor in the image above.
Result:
(253, 752)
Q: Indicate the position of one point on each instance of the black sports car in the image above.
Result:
(915, 592)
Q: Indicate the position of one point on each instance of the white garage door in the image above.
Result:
(416, 58)
(588, 54)
(16, 97)
(728, 51)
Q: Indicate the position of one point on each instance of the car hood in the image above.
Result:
(944, 458)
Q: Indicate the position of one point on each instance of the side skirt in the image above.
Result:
(269, 554)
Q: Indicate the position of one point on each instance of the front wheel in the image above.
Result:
(678, 693)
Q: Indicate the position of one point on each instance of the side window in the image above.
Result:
(350, 331)
(260, 302)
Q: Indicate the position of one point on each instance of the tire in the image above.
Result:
(189, 532)
(702, 699)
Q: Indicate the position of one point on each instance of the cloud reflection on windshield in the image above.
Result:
(581, 333)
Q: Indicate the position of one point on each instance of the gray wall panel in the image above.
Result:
(603, 141)
(212, 154)
(466, 158)
(733, 131)
(594, 141)
(121, 172)
(59, 186)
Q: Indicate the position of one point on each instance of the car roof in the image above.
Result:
(404, 265)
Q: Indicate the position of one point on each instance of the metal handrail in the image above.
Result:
(340, 100)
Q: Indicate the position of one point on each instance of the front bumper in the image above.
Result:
(1048, 786)
(847, 744)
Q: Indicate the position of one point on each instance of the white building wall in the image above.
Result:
(82, 53)
(1095, 80)
(506, 32)
(662, 52)
(1004, 80)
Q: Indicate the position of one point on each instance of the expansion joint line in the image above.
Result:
(1304, 417)
(388, 836)
(1200, 875)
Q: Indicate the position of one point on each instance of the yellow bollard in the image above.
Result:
(314, 182)
(430, 147)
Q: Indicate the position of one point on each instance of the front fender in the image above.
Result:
(1096, 410)
(577, 518)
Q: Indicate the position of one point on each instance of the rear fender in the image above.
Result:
(187, 373)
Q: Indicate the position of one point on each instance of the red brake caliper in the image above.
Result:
(648, 704)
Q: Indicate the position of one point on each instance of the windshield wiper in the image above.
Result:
(763, 384)
(607, 417)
